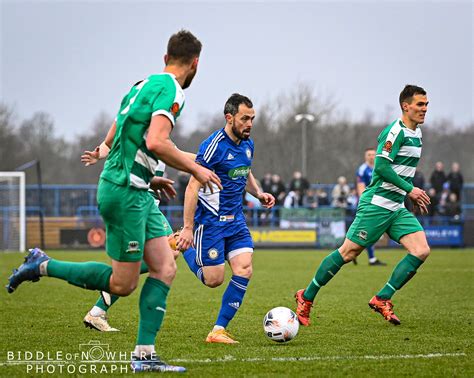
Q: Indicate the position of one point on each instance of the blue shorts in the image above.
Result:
(216, 243)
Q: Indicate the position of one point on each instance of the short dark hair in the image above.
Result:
(183, 47)
(408, 92)
(232, 104)
(370, 149)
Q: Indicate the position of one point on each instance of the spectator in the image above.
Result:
(340, 193)
(433, 206)
(277, 189)
(455, 180)
(322, 196)
(443, 198)
(438, 178)
(267, 183)
(291, 199)
(452, 208)
(300, 185)
(311, 199)
(419, 180)
(353, 200)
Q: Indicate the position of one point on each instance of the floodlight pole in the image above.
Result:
(304, 118)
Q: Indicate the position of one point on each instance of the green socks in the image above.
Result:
(327, 270)
(113, 298)
(152, 310)
(402, 273)
(88, 275)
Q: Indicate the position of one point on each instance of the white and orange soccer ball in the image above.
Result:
(281, 324)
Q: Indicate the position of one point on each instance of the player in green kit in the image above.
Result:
(381, 209)
(134, 230)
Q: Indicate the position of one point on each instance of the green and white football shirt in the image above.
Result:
(129, 161)
(402, 146)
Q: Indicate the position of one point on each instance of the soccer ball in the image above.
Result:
(281, 324)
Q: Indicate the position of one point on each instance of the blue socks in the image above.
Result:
(233, 295)
(370, 251)
(232, 300)
(190, 257)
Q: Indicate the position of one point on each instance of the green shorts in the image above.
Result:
(372, 221)
(131, 217)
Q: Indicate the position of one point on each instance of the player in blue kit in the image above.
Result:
(363, 177)
(217, 219)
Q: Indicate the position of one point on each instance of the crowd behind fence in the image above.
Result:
(80, 201)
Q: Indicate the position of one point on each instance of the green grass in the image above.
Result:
(346, 338)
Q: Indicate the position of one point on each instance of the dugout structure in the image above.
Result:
(12, 211)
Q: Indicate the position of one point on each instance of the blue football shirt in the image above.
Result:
(364, 174)
(231, 162)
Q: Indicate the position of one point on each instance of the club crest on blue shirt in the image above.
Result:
(249, 153)
(213, 253)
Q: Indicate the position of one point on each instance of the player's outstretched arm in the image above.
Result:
(384, 170)
(266, 199)
(100, 152)
(190, 204)
(158, 141)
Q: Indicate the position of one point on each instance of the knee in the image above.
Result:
(169, 271)
(123, 289)
(244, 271)
(213, 281)
(348, 254)
(166, 272)
(422, 252)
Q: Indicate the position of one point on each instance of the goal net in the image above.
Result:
(12, 211)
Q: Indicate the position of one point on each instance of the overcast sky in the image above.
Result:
(74, 59)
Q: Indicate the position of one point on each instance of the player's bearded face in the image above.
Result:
(239, 133)
(242, 122)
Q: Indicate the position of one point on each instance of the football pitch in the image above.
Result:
(346, 337)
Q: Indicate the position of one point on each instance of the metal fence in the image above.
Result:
(80, 200)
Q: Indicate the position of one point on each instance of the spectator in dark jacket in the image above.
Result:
(419, 180)
(277, 189)
(452, 208)
(267, 183)
(300, 185)
(438, 178)
(455, 180)
(433, 206)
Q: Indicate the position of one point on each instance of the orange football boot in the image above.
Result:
(220, 336)
(303, 308)
(385, 308)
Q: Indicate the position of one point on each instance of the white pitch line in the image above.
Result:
(230, 358)
(318, 358)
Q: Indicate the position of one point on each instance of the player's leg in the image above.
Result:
(232, 299)
(152, 305)
(161, 263)
(330, 265)
(239, 251)
(96, 317)
(121, 210)
(407, 231)
(365, 230)
(206, 259)
(373, 261)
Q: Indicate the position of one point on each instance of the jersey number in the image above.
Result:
(132, 100)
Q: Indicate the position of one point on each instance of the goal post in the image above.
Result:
(12, 211)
